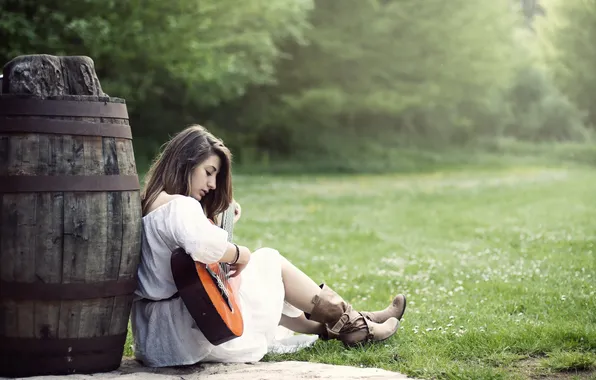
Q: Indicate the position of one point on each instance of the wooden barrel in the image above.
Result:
(70, 232)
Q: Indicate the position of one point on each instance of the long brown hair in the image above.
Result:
(171, 171)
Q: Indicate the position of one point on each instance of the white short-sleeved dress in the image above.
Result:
(164, 332)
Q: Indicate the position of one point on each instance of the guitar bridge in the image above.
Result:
(220, 286)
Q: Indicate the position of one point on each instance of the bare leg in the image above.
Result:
(330, 309)
(300, 289)
(302, 325)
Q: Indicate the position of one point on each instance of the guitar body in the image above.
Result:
(211, 303)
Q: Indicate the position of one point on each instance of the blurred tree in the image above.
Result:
(166, 58)
(530, 9)
(405, 66)
(324, 78)
(567, 45)
(215, 47)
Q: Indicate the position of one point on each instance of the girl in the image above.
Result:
(187, 185)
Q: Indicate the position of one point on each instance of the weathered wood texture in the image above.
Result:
(64, 237)
(44, 76)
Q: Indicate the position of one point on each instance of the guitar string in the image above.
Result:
(226, 225)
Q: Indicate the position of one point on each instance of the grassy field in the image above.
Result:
(498, 265)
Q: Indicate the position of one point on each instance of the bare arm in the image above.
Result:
(230, 254)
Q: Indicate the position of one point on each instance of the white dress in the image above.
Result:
(164, 332)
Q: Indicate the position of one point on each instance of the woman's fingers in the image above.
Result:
(237, 212)
(237, 269)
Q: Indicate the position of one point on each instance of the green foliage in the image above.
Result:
(566, 40)
(398, 65)
(169, 59)
(538, 111)
(334, 82)
(211, 50)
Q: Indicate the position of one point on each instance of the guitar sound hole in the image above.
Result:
(221, 287)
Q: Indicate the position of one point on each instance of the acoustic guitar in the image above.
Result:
(207, 294)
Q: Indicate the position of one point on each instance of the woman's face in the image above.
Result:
(202, 179)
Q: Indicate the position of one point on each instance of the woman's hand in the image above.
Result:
(237, 211)
(243, 260)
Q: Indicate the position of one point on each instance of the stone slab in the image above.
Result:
(290, 370)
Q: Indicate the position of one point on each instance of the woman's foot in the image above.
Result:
(396, 310)
(344, 323)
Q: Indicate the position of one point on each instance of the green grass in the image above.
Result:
(570, 361)
(353, 155)
(498, 265)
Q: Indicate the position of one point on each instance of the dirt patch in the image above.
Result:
(532, 369)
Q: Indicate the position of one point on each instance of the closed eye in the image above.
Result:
(210, 170)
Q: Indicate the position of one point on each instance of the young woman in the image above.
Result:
(188, 185)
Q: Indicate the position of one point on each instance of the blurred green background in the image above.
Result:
(335, 85)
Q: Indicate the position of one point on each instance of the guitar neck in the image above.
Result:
(227, 221)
